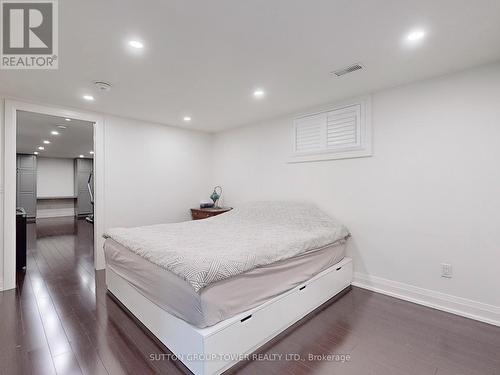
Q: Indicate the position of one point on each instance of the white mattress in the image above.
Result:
(254, 235)
(225, 298)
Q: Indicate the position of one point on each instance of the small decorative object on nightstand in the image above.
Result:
(217, 193)
(203, 213)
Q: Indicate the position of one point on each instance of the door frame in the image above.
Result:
(9, 214)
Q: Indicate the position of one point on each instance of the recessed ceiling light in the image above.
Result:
(136, 44)
(415, 35)
(81, 156)
(36, 153)
(67, 119)
(54, 132)
(259, 93)
(41, 148)
(187, 118)
(46, 142)
(61, 126)
(91, 152)
(90, 98)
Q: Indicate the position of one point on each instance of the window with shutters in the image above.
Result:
(343, 131)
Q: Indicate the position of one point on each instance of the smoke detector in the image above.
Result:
(346, 70)
(103, 86)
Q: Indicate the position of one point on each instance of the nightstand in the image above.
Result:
(203, 213)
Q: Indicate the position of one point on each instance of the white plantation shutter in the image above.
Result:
(343, 128)
(341, 132)
(310, 133)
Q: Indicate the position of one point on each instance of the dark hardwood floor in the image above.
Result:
(60, 320)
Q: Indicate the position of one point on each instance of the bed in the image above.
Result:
(215, 290)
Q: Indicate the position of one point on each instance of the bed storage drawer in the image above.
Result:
(259, 325)
(227, 342)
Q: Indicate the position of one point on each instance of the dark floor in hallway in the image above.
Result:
(60, 320)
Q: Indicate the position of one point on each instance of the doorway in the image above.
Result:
(54, 171)
(54, 190)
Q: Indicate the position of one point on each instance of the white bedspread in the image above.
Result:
(205, 251)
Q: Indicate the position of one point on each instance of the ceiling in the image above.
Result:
(34, 128)
(205, 58)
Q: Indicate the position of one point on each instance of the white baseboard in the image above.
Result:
(55, 212)
(426, 297)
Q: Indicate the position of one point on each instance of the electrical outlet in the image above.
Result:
(446, 270)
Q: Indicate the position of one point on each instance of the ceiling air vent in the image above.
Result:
(346, 70)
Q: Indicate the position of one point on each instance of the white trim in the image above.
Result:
(441, 301)
(99, 198)
(9, 142)
(9, 207)
(231, 339)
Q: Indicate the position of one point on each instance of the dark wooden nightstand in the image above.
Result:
(203, 213)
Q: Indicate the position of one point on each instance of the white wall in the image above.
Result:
(154, 173)
(430, 193)
(55, 177)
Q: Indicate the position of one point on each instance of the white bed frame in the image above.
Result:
(212, 350)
